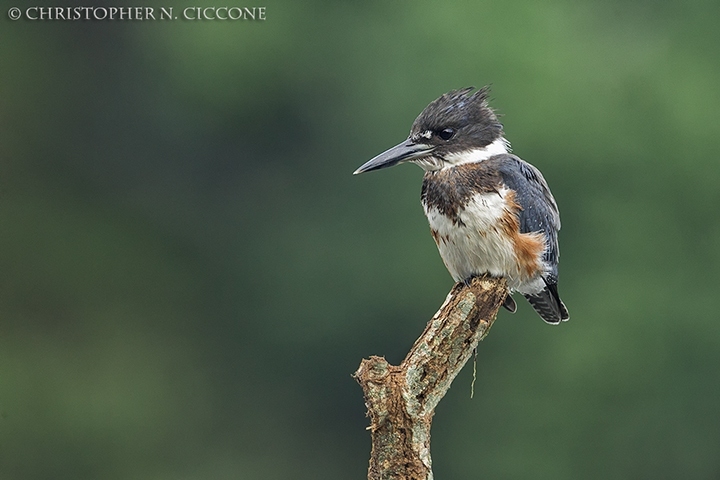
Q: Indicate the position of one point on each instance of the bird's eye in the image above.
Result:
(446, 134)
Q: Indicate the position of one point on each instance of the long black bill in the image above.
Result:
(407, 150)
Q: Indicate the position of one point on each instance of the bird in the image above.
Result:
(490, 212)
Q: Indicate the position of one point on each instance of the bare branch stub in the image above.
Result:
(401, 400)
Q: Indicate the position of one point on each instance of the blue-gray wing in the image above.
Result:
(539, 212)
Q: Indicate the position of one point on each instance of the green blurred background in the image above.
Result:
(189, 273)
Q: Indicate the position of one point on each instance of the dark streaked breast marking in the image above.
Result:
(450, 190)
(438, 237)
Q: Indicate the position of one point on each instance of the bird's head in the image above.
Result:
(459, 127)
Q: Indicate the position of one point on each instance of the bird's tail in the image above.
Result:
(548, 305)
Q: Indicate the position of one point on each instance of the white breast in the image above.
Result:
(477, 244)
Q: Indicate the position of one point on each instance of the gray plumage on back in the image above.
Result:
(539, 211)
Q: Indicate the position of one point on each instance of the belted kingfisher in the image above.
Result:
(489, 211)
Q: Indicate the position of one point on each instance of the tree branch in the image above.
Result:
(401, 400)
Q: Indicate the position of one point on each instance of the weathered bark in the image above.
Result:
(401, 400)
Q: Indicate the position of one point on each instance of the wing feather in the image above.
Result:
(539, 212)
